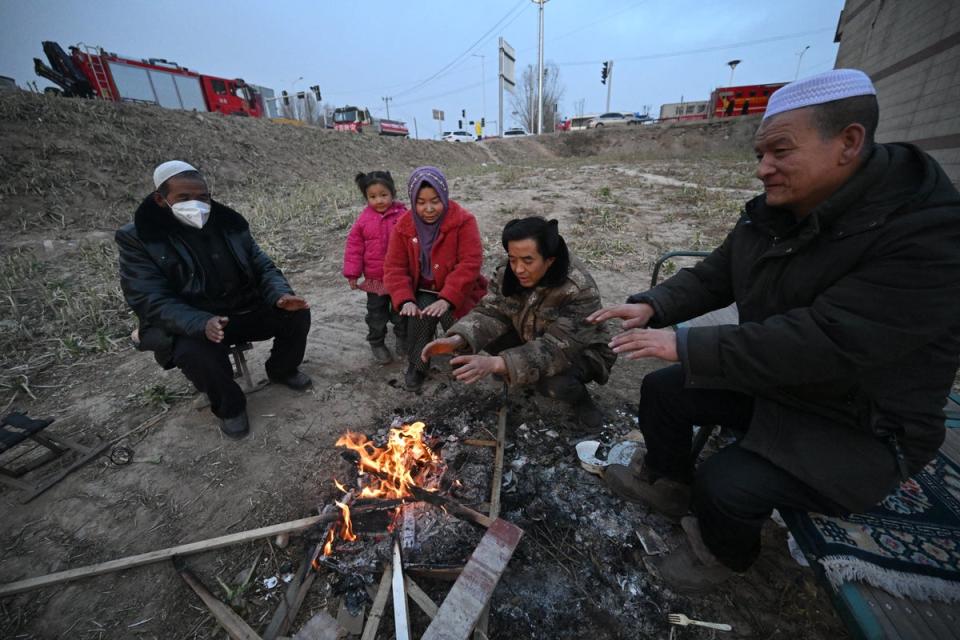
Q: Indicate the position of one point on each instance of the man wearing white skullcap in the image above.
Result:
(846, 277)
(199, 284)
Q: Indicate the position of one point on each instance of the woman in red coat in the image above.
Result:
(432, 268)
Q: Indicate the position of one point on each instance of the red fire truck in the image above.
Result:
(741, 101)
(91, 72)
(359, 120)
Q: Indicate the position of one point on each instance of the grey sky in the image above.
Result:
(359, 52)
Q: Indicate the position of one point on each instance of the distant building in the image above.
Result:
(911, 51)
(684, 110)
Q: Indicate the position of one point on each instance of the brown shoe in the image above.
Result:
(665, 496)
(692, 567)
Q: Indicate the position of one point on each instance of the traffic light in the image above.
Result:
(463, 113)
(316, 92)
(459, 124)
(604, 73)
(483, 122)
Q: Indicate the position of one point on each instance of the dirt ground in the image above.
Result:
(620, 204)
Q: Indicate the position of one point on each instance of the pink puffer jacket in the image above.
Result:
(367, 242)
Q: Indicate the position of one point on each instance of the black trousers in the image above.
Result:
(207, 364)
(735, 490)
(423, 330)
(379, 313)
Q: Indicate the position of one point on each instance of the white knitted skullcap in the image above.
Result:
(824, 87)
(169, 169)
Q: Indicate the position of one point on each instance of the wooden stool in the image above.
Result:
(240, 368)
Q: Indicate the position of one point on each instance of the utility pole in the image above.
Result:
(609, 82)
(386, 101)
(540, 71)
(483, 86)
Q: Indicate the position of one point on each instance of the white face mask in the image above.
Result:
(192, 213)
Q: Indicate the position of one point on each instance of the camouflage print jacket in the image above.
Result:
(551, 324)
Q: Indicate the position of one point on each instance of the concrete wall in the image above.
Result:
(911, 50)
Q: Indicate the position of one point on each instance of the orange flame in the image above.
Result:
(405, 456)
(405, 461)
(346, 532)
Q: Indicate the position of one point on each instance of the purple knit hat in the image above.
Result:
(432, 177)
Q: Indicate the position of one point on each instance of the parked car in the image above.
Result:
(457, 136)
(516, 131)
(581, 122)
(614, 118)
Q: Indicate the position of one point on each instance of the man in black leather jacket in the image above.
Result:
(199, 283)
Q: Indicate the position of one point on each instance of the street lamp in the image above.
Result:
(733, 65)
(803, 51)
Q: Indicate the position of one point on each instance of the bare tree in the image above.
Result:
(525, 97)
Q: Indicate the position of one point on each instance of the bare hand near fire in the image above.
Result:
(634, 315)
(353, 283)
(436, 309)
(646, 343)
(410, 310)
(470, 369)
(443, 345)
(215, 327)
(289, 302)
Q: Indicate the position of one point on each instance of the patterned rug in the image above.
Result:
(908, 545)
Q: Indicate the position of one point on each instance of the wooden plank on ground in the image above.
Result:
(461, 609)
(379, 604)
(151, 557)
(233, 624)
(401, 615)
(419, 596)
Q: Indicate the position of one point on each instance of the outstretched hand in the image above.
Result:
(646, 343)
(470, 369)
(634, 315)
(441, 346)
(289, 302)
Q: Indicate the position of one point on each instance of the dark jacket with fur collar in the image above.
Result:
(163, 283)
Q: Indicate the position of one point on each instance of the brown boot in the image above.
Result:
(691, 568)
(668, 497)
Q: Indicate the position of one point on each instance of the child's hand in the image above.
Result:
(437, 309)
(410, 310)
(352, 282)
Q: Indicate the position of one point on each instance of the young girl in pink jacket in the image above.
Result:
(363, 256)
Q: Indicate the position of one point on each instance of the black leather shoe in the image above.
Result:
(413, 379)
(236, 427)
(298, 380)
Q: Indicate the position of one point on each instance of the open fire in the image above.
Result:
(389, 472)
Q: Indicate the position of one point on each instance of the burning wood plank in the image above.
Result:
(461, 609)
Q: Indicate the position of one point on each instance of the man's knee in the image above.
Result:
(668, 380)
(298, 321)
(199, 354)
(731, 482)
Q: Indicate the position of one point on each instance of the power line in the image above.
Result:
(520, 5)
(654, 56)
(441, 95)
